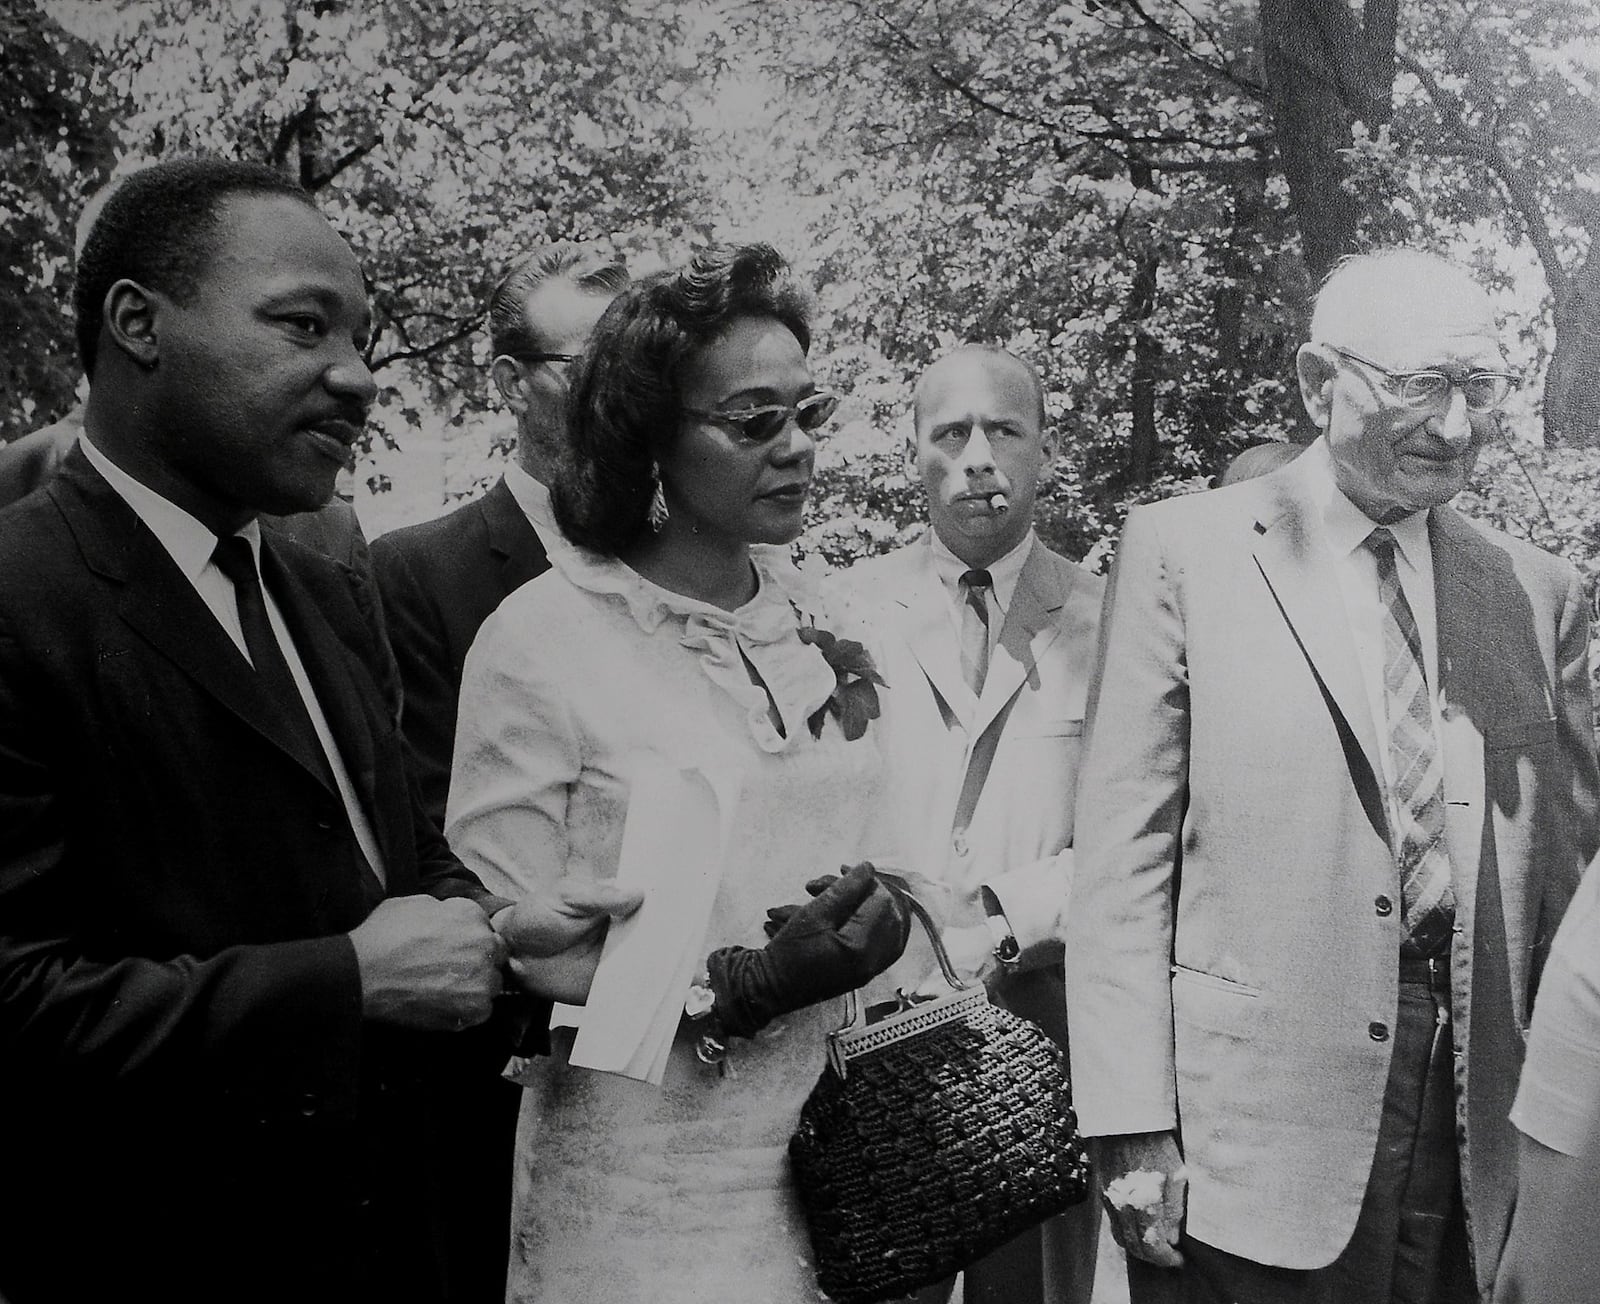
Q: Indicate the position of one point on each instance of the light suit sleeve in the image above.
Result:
(1131, 798)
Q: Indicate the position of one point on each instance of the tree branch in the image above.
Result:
(1519, 190)
(1250, 88)
(468, 327)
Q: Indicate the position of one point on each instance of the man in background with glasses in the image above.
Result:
(1338, 789)
(442, 578)
(439, 581)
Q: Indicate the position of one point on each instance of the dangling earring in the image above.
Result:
(657, 512)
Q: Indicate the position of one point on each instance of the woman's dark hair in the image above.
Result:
(625, 406)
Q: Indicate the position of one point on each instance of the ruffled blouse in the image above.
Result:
(763, 632)
(589, 669)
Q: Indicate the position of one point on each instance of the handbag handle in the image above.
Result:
(855, 1009)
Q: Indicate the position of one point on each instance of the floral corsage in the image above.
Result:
(854, 700)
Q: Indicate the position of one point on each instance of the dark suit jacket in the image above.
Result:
(440, 581)
(195, 1108)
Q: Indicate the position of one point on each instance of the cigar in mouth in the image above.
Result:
(998, 504)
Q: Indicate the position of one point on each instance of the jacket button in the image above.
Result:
(308, 1104)
(959, 842)
(1384, 906)
(1378, 1032)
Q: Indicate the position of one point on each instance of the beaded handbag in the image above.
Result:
(932, 1137)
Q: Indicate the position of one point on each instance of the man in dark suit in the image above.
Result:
(440, 580)
(235, 952)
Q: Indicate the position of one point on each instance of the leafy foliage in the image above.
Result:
(54, 144)
(1099, 185)
(440, 136)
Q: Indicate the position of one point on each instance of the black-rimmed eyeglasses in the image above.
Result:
(760, 424)
(1483, 390)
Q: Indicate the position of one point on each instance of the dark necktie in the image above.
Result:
(975, 586)
(235, 560)
(1427, 898)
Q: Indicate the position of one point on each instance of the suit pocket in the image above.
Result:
(1207, 1000)
(1521, 734)
(1048, 729)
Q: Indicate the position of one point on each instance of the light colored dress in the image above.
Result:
(626, 1191)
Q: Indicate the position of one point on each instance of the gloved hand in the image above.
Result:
(854, 930)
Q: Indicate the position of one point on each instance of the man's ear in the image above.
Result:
(1049, 446)
(511, 380)
(130, 322)
(1316, 365)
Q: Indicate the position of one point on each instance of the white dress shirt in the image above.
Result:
(1003, 574)
(534, 499)
(190, 544)
(1345, 528)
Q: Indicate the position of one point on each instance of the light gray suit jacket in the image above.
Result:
(1020, 833)
(1231, 971)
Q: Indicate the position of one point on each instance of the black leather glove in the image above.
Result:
(854, 930)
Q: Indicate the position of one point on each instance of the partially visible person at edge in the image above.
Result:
(235, 949)
(987, 640)
(1339, 787)
(439, 581)
(674, 630)
(1555, 1226)
(1258, 459)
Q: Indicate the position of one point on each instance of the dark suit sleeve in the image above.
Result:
(277, 1021)
(418, 636)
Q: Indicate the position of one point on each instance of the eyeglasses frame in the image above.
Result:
(1397, 380)
(792, 412)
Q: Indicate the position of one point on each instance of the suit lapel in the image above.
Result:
(159, 603)
(512, 538)
(1305, 586)
(327, 666)
(1030, 628)
(923, 613)
(1466, 616)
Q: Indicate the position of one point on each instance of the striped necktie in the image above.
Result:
(975, 585)
(1428, 901)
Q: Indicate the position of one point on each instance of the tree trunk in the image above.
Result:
(1572, 383)
(1146, 358)
(1324, 72)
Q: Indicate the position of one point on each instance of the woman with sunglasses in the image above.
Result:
(679, 630)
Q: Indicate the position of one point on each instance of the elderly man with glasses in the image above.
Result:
(1338, 788)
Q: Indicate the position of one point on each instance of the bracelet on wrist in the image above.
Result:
(1007, 950)
(700, 1008)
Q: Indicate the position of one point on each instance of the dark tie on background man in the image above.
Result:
(1428, 901)
(975, 586)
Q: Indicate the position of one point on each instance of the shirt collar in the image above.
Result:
(1346, 526)
(1004, 571)
(534, 499)
(187, 541)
